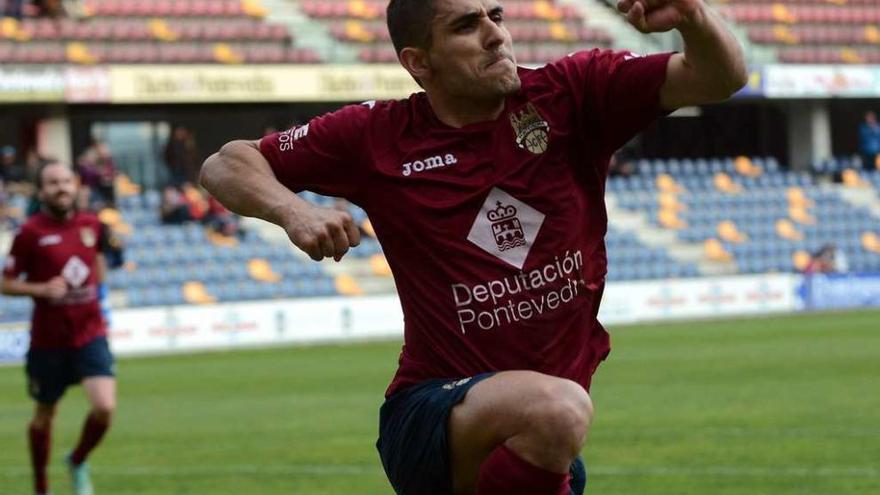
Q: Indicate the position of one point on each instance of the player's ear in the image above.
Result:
(415, 61)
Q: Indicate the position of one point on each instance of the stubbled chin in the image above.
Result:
(511, 83)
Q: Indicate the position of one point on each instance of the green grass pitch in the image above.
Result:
(784, 405)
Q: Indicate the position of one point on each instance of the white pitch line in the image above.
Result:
(364, 470)
(755, 472)
(739, 432)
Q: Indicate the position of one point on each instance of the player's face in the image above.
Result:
(58, 191)
(471, 53)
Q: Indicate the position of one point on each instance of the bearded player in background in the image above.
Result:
(486, 192)
(56, 259)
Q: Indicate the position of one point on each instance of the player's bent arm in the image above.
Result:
(712, 67)
(16, 287)
(240, 177)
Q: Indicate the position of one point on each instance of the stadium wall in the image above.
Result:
(343, 319)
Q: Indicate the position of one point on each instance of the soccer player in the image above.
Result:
(56, 259)
(486, 192)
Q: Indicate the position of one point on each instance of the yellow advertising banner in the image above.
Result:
(261, 83)
(43, 84)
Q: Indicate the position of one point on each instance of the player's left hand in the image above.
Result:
(657, 16)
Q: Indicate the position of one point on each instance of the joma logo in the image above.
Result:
(428, 163)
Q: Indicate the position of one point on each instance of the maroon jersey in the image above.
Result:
(494, 232)
(46, 248)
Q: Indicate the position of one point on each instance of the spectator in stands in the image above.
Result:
(12, 8)
(221, 220)
(827, 260)
(622, 163)
(182, 157)
(619, 166)
(5, 220)
(113, 247)
(173, 209)
(195, 201)
(11, 212)
(869, 140)
(98, 172)
(12, 171)
(33, 160)
(51, 8)
(82, 201)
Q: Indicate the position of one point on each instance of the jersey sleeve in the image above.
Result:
(617, 93)
(326, 155)
(18, 260)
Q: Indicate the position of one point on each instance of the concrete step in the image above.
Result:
(867, 198)
(309, 33)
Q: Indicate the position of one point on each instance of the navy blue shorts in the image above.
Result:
(51, 371)
(413, 443)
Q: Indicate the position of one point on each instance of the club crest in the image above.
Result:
(506, 228)
(87, 236)
(532, 131)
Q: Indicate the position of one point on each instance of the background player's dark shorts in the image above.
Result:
(50, 372)
(413, 440)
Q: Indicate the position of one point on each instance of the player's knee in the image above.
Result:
(42, 420)
(41, 423)
(104, 411)
(562, 413)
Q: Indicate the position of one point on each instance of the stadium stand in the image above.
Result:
(750, 212)
(239, 31)
(130, 32)
(544, 30)
(811, 31)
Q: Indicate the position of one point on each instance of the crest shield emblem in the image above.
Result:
(87, 236)
(532, 131)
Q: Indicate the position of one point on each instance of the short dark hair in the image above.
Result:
(409, 23)
(38, 180)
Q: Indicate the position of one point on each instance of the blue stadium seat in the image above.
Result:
(152, 199)
(129, 202)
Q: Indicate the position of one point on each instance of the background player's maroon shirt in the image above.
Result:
(494, 232)
(45, 248)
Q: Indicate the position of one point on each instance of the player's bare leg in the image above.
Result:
(101, 392)
(518, 431)
(40, 439)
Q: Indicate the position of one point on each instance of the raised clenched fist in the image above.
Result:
(654, 16)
